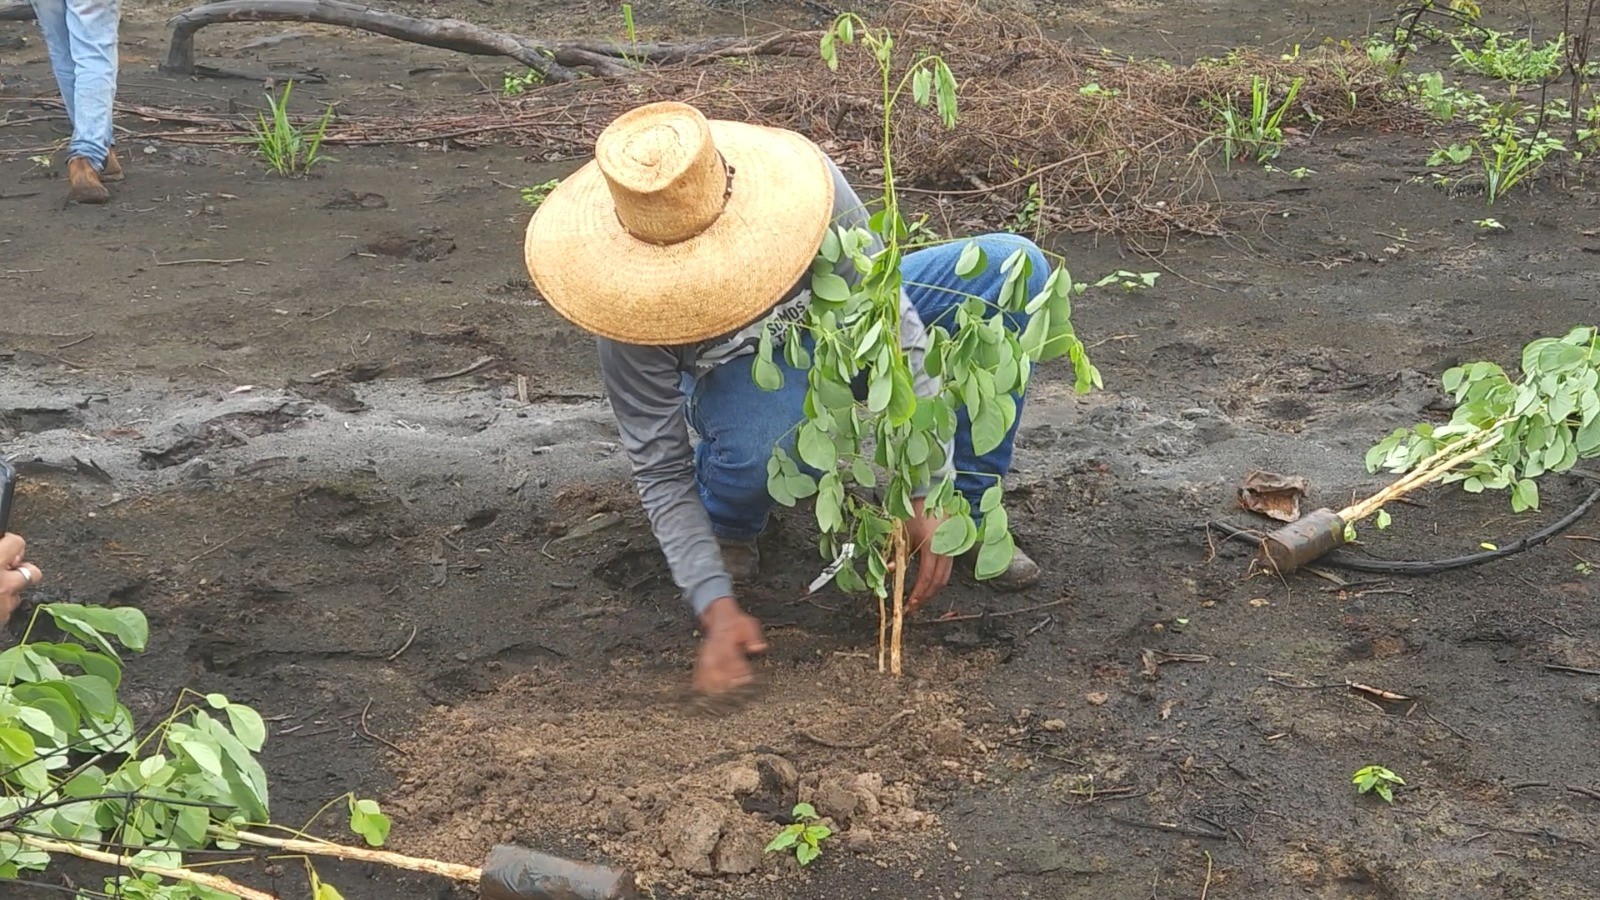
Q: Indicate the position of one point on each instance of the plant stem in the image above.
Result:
(898, 544)
(452, 871)
(214, 882)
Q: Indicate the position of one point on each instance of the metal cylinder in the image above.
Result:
(1301, 542)
(517, 873)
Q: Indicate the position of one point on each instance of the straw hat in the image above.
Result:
(681, 228)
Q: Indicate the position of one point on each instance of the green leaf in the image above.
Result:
(880, 391)
(954, 536)
(247, 726)
(95, 694)
(786, 838)
(766, 373)
(992, 497)
(902, 397)
(973, 261)
(1525, 495)
(805, 853)
(995, 557)
(93, 623)
(217, 701)
(830, 288)
(922, 86)
(830, 249)
(988, 428)
(1383, 519)
(830, 503)
(367, 819)
(204, 755)
(862, 473)
(803, 811)
(16, 745)
(816, 447)
(326, 891)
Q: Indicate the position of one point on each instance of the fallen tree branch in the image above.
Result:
(17, 12)
(555, 61)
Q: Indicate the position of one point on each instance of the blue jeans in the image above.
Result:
(81, 36)
(739, 423)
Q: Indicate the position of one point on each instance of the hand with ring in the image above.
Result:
(15, 575)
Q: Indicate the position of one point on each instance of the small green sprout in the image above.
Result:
(804, 835)
(1376, 778)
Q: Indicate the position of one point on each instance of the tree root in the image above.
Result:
(555, 61)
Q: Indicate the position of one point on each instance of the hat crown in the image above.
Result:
(667, 180)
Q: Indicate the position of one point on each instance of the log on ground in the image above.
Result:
(556, 61)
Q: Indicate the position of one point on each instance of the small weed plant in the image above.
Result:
(1258, 132)
(804, 836)
(168, 806)
(1516, 60)
(287, 148)
(534, 195)
(515, 85)
(1378, 780)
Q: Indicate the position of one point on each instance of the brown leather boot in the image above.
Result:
(112, 170)
(83, 182)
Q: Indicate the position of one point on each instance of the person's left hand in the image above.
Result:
(933, 569)
(15, 575)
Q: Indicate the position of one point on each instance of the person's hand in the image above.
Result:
(933, 569)
(15, 575)
(731, 636)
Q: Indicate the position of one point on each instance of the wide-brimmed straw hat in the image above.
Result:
(681, 228)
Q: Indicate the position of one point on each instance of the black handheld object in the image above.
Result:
(8, 490)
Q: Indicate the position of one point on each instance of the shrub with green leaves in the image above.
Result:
(1546, 420)
(79, 778)
(871, 455)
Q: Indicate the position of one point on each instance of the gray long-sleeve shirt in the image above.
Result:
(644, 386)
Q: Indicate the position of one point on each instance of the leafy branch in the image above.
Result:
(872, 447)
(1543, 422)
(78, 780)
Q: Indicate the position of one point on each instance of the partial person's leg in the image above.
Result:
(52, 18)
(93, 27)
(739, 423)
(935, 290)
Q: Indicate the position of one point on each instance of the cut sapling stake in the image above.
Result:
(870, 444)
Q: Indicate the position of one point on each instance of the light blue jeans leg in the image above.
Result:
(934, 288)
(81, 37)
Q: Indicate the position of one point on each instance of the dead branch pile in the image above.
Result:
(1109, 144)
(1097, 142)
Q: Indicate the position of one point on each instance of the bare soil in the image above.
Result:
(442, 591)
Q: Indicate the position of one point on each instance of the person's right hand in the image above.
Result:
(731, 635)
(15, 575)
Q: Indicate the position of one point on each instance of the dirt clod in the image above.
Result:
(690, 833)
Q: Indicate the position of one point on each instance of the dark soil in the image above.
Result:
(442, 593)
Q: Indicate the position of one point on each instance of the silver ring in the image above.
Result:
(27, 577)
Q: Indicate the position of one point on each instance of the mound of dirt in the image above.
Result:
(673, 792)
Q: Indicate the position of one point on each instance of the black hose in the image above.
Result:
(1430, 567)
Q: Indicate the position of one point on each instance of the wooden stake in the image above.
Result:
(214, 882)
(901, 559)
